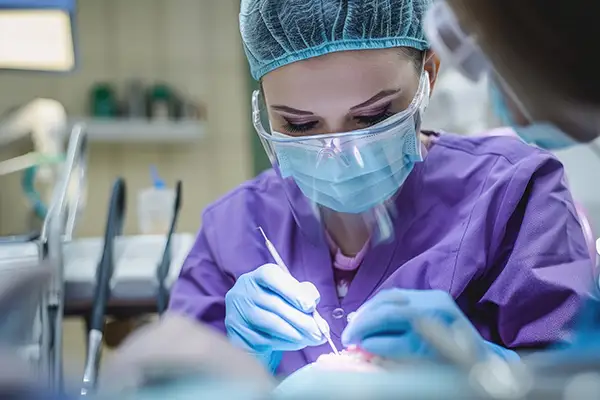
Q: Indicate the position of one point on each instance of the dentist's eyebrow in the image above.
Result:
(290, 110)
(379, 96)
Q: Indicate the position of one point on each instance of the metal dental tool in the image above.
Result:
(324, 329)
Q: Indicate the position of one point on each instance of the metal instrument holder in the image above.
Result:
(104, 273)
(57, 229)
(162, 272)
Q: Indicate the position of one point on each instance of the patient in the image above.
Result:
(179, 356)
(175, 348)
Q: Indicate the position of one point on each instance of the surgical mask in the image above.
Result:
(355, 171)
(363, 174)
(499, 107)
(544, 135)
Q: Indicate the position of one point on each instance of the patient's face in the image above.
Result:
(346, 362)
(327, 373)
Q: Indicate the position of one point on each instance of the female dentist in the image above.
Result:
(370, 214)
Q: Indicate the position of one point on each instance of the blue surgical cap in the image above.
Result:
(280, 32)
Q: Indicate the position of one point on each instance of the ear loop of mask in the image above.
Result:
(418, 117)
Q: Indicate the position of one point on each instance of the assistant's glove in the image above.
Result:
(385, 325)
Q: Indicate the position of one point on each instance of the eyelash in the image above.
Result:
(367, 120)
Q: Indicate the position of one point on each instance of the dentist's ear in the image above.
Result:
(432, 67)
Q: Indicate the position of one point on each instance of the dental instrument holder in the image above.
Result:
(104, 273)
(57, 229)
(162, 298)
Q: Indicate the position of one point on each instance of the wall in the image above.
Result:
(193, 45)
(581, 163)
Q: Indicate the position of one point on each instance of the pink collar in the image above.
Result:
(343, 262)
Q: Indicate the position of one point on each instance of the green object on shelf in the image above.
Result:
(103, 101)
(162, 92)
(162, 103)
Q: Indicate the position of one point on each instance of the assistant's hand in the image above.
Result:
(268, 312)
(384, 325)
(175, 347)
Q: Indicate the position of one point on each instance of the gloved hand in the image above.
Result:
(268, 312)
(385, 325)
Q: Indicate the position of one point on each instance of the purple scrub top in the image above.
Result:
(487, 219)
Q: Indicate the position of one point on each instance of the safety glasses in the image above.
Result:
(419, 102)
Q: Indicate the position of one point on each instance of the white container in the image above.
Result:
(155, 210)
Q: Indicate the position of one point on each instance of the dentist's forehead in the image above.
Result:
(339, 81)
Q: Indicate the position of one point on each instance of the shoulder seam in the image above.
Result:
(460, 246)
(492, 152)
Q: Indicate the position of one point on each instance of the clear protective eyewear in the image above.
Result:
(337, 144)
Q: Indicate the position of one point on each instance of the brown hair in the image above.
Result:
(546, 42)
(415, 56)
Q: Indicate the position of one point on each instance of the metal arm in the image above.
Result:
(58, 228)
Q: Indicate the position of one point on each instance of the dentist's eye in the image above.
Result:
(299, 128)
(368, 120)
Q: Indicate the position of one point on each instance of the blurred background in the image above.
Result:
(134, 52)
(142, 62)
(159, 83)
(164, 90)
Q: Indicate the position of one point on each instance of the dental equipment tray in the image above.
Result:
(134, 279)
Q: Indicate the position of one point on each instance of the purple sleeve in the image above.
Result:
(542, 273)
(200, 290)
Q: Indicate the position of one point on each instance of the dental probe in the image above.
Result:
(318, 319)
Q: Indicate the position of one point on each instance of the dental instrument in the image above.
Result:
(104, 275)
(275, 254)
(162, 272)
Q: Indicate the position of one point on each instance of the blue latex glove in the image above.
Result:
(384, 325)
(268, 312)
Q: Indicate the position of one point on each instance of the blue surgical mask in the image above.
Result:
(357, 175)
(543, 135)
(499, 107)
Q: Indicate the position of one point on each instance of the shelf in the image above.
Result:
(141, 130)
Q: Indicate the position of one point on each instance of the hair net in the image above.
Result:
(280, 32)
